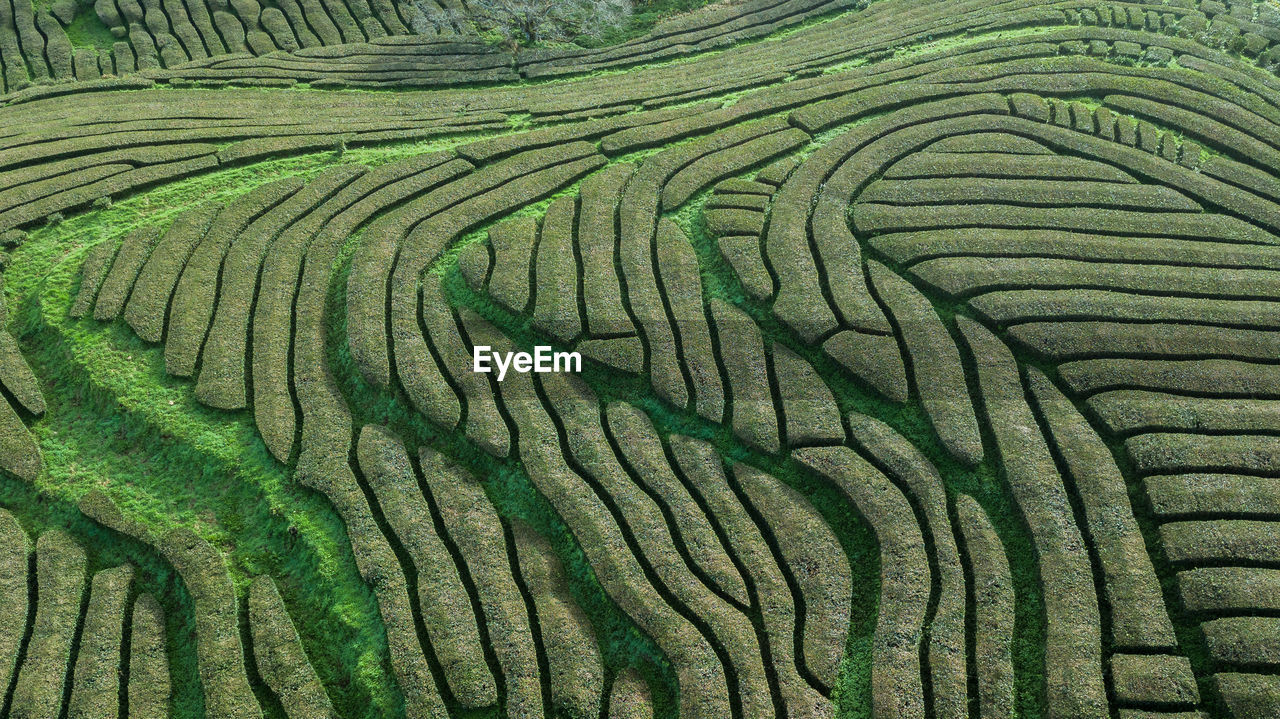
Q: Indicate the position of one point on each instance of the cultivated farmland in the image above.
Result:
(930, 362)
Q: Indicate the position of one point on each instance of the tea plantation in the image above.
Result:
(930, 363)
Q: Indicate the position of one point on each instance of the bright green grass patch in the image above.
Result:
(86, 30)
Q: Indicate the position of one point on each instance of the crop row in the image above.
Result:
(1079, 289)
(222, 382)
(657, 518)
(916, 477)
(171, 33)
(1073, 664)
(550, 101)
(247, 42)
(360, 43)
(65, 651)
(574, 667)
(443, 601)
(679, 331)
(193, 287)
(1126, 246)
(649, 523)
(1167, 363)
(680, 36)
(282, 663)
(19, 453)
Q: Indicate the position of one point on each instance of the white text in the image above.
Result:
(543, 359)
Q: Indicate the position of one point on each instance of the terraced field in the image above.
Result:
(931, 363)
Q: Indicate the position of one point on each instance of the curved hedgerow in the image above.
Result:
(443, 600)
(149, 680)
(564, 633)
(16, 551)
(95, 688)
(896, 677)
(993, 608)
(281, 660)
(38, 689)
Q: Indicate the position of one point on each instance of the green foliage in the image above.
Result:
(646, 15)
(87, 30)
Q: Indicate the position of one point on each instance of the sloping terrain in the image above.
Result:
(929, 363)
